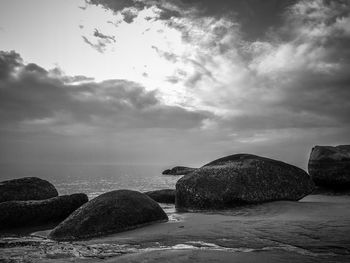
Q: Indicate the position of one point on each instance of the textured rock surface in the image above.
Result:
(241, 179)
(27, 188)
(330, 166)
(163, 196)
(109, 213)
(36, 212)
(179, 170)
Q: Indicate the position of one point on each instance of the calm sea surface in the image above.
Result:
(94, 179)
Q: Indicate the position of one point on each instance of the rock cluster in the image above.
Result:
(31, 201)
(224, 183)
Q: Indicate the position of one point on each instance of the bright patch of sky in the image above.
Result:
(38, 32)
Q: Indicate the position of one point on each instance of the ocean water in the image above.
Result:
(94, 179)
(315, 229)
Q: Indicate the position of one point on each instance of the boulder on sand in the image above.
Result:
(329, 166)
(241, 179)
(179, 170)
(163, 196)
(27, 188)
(37, 212)
(109, 213)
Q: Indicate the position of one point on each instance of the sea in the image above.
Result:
(314, 229)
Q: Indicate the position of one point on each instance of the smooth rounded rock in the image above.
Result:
(241, 179)
(163, 196)
(112, 212)
(36, 212)
(27, 188)
(329, 166)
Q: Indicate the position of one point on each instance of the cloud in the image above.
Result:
(102, 41)
(100, 46)
(255, 16)
(8, 63)
(282, 82)
(253, 76)
(107, 38)
(32, 96)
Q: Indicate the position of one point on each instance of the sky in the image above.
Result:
(172, 82)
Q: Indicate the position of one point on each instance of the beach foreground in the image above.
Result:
(316, 229)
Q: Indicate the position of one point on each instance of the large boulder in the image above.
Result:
(179, 170)
(37, 212)
(330, 166)
(27, 188)
(109, 213)
(163, 196)
(241, 179)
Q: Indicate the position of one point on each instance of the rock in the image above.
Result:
(36, 212)
(163, 196)
(179, 170)
(330, 166)
(27, 188)
(241, 179)
(112, 212)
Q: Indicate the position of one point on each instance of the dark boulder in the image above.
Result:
(179, 170)
(27, 188)
(163, 196)
(241, 179)
(329, 166)
(109, 213)
(36, 212)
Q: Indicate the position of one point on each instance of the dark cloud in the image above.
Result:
(8, 63)
(129, 15)
(130, 8)
(256, 17)
(117, 5)
(28, 93)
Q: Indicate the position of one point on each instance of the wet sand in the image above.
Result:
(194, 256)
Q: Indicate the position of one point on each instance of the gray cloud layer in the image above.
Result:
(30, 93)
